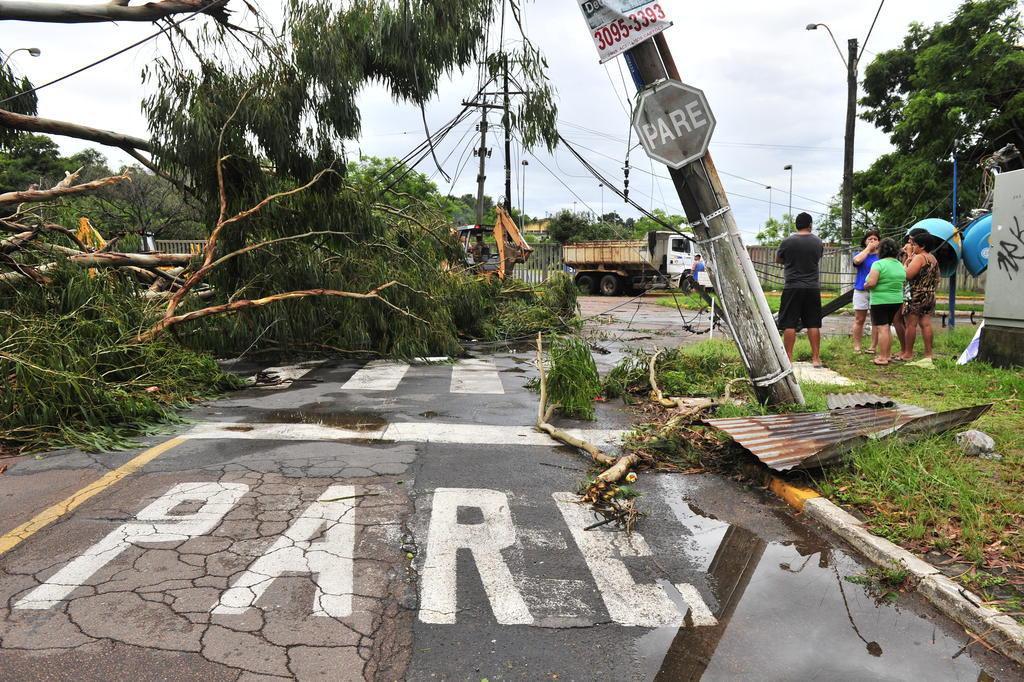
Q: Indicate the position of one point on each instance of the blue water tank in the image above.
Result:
(945, 243)
(976, 243)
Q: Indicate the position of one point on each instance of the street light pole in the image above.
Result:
(789, 167)
(851, 62)
(601, 185)
(769, 188)
(851, 124)
(522, 195)
(34, 51)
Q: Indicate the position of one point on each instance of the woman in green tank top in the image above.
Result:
(885, 281)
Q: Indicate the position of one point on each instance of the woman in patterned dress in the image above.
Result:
(923, 278)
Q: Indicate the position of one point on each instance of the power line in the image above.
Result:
(170, 24)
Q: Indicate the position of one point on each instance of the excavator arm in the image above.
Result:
(512, 248)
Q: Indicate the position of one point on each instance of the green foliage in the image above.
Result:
(644, 224)
(568, 227)
(515, 312)
(701, 369)
(278, 116)
(952, 88)
(11, 85)
(73, 375)
(775, 230)
(572, 381)
(35, 160)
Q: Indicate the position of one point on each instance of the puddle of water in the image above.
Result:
(786, 610)
(239, 429)
(431, 414)
(317, 413)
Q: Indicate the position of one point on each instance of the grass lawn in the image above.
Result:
(695, 302)
(928, 495)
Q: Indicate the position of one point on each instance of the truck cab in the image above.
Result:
(672, 255)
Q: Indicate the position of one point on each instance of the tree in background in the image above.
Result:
(644, 224)
(36, 160)
(775, 230)
(952, 88)
(568, 227)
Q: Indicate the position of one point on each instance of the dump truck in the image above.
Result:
(613, 267)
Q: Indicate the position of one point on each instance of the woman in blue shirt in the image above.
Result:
(861, 297)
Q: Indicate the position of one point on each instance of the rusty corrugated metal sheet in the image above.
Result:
(838, 401)
(810, 440)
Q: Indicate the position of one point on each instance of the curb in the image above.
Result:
(1004, 633)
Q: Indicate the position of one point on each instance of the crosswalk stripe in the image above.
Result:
(377, 375)
(413, 432)
(476, 376)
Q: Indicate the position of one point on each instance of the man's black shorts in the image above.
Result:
(800, 309)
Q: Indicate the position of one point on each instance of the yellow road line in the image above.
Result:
(51, 514)
(795, 496)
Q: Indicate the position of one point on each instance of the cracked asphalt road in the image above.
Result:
(303, 539)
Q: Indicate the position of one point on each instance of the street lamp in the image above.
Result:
(789, 167)
(769, 188)
(851, 62)
(601, 185)
(522, 196)
(34, 51)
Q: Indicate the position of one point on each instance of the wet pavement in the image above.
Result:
(420, 530)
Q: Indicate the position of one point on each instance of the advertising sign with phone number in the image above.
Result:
(618, 25)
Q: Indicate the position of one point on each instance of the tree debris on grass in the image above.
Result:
(601, 493)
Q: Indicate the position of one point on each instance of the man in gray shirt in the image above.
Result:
(801, 253)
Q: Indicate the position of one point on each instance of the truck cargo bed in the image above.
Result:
(619, 252)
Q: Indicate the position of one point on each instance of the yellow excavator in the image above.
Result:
(510, 246)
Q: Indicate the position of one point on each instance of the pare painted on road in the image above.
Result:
(320, 542)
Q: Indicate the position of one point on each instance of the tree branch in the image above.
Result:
(245, 304)
(61, 190)
(36, 124)
(75, 13)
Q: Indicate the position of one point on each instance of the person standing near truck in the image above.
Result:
(698, 267)
(801, 254)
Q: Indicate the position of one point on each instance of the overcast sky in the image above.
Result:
(777, 90)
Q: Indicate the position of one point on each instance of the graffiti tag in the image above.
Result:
(1011, 253)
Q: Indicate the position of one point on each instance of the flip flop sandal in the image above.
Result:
(880, 364)
(869, 352)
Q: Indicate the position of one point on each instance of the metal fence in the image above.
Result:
(837, 273)
(193, 246)
(545, 259)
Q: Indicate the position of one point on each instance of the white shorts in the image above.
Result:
(861, 300)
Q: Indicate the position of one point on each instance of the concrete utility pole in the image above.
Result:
(508, 144)
(481, 176)
(707, 208)
(851, 124)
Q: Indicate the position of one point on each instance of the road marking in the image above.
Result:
(628, 603)
(476, 376)
(155, 523)
(51, 514)
(377, 375)
(438, 594)
(286, 375)
(413, 432)
(330, 560)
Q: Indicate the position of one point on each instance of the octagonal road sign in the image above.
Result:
(674, 122)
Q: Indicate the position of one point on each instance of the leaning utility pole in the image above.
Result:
(707, 208)
(851, 123)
